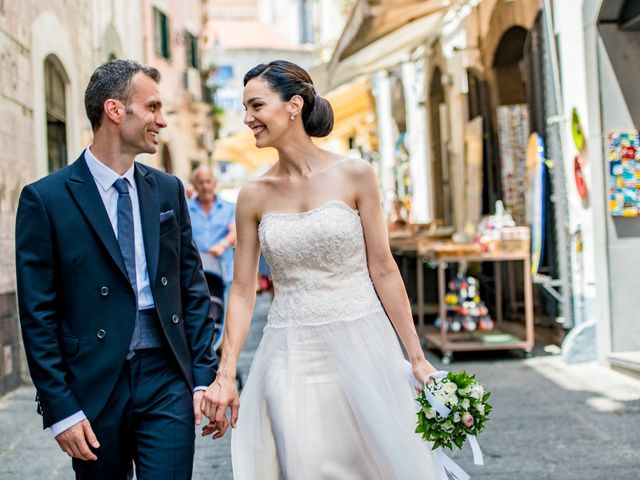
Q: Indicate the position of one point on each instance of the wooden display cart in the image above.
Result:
(415, 245)
(450, 342)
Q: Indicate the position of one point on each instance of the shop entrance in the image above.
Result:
(519, 86)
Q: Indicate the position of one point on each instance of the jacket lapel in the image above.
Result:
(83, 188)
(150, 217)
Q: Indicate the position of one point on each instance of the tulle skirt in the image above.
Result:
(329, 401)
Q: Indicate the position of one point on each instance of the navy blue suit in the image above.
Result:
(78, 308)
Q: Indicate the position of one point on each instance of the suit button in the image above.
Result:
(175, 319)
(164, 281)
(101, 334)
(104, 291)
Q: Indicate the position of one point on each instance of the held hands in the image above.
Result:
(197, 401)
(75, 441)
(221, 394)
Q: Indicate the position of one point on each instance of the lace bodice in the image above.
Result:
(318, 264)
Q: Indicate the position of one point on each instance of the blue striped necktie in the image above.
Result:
(126, 236)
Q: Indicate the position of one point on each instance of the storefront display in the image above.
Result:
(536, 179)
(465, 310)
(513, 137)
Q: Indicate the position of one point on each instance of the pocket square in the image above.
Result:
(164, 216)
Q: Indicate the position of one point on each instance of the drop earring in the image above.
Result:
(292, 118)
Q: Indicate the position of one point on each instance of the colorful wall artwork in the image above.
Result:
(624, 173)
(513, 137)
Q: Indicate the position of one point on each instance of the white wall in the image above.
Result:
(616, 240)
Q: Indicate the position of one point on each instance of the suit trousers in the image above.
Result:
(148, 422)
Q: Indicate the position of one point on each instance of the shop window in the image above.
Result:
(56, 82)
(162, 34)
(191, 46)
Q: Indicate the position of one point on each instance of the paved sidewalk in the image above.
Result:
(29, 453)
(556, 421)
(550, 421)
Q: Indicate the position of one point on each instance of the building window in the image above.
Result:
(163, 36)
(306, 24)
(191, 46)
(56, 81)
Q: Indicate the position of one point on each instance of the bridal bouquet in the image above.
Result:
(453, 407)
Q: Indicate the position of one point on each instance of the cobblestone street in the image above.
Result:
(550, 421)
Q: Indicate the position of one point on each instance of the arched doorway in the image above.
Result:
(441, 178)
(512, 119)
(56, 81)
(508, 67)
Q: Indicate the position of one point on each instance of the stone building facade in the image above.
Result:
(46, 57)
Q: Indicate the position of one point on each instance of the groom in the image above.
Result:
(113, 302)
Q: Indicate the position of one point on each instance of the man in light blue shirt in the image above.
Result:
(213, 223)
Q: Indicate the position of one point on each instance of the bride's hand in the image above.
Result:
(422, 370)
(220, 395)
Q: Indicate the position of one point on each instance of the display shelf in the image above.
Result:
(450, 342)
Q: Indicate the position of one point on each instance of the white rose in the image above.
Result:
(478, 388)
(465, 403)
(456, 417)
(442, 396)
(450, 387)
(452, 400)
(429, 413)
(480, 408)
(474, 394)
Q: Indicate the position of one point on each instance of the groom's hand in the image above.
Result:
(75, 441)
(197, 400)
(221, 394)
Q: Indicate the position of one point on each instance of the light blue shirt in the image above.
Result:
(209, 229)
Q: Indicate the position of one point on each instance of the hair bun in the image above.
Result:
(319, 121)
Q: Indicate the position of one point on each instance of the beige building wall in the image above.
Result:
(77, 36)
(187, 139)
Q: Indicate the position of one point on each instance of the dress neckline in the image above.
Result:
(337, 203)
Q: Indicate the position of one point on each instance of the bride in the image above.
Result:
(327, 396)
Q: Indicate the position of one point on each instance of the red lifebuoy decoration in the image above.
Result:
(581, 184)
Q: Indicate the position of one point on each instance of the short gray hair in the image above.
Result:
(202, 168)
(112, 80)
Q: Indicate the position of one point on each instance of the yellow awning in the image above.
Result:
(241, 148)
(352, 104)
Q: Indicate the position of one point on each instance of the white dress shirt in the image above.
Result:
(105, 178)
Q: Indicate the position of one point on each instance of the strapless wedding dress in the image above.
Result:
(327, 396)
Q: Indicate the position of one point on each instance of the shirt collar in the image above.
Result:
(194, 204)
(103, 175)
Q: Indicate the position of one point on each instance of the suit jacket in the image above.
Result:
(77, 307)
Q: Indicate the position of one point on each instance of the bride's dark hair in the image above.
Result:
(289, 79)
